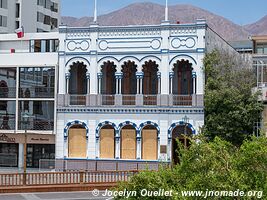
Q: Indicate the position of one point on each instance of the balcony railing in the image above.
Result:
(128, 99)
(7, 92)
(182, 100)
(95, 100)
(36, 92)
(36, 125)
(108, 99)
(78, 100)
(150, 100)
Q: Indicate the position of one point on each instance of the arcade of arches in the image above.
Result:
(127, 82)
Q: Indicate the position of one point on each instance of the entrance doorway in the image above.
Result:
(180, 133)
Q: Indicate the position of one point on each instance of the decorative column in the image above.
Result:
(138, 146)
(117, 145)
(99, 80)
(88, 83)
(139, 77)
(194, 82)
(159, 82)
(67, 75)
(118, 76)
(171, 75)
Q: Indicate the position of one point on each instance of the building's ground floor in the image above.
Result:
(39, 148)
(125, 134)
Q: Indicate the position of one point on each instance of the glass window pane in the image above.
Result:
(7, 82)
(7, 115)
(37, 82)
(36, 115)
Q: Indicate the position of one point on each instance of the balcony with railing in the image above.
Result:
(131, 100)
(150, 100)
(128, 100)
(78, 100)
(108, 100)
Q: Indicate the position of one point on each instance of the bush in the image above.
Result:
(212, 166)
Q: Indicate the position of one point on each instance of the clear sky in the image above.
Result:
(239, 11)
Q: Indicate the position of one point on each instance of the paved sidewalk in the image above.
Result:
(55, 196)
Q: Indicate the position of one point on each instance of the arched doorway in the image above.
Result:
(182, 80)
(180, 134)
(128, 142)
(150, 81)
(77, 142)
(129, 78)
(107, 142)
(108, 82)
(149, 143)
(78, 82)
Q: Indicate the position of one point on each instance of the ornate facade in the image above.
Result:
(127, 93)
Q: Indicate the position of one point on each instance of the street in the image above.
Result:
(53, 196)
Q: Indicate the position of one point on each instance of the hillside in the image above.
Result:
(258, 28)
(151, 13)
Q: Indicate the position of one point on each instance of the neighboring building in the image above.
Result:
(126, 93)
(260, 66)
(28, 70)
(244, 48)
(33, 15)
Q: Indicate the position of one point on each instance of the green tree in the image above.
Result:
(209, 166)
(231, 109)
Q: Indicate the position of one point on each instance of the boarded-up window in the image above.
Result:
(128, 144)
(149, 144)
(107, 149)
(77, 143)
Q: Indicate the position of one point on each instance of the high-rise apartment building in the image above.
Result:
(33, 15)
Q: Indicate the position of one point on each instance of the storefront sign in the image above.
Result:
(5, 138)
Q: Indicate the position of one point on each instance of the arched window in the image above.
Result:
(108, 85)
(150, 81)
(182, 80)
(77, 142)
(107, 142)
(129, 81)
(78, 83)
(149, 143)
(128, 142)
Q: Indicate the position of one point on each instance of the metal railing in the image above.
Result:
(182, 100)
(36, 92)
(108, 99)
(128, 99)
(77, 100)
(36, 125)
(7, 92)
(150, 100)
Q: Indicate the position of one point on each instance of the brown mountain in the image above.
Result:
(258, 28)
(150, 13)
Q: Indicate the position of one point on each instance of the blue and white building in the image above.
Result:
(126, 93)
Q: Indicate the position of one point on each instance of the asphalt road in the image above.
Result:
(55, 196)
